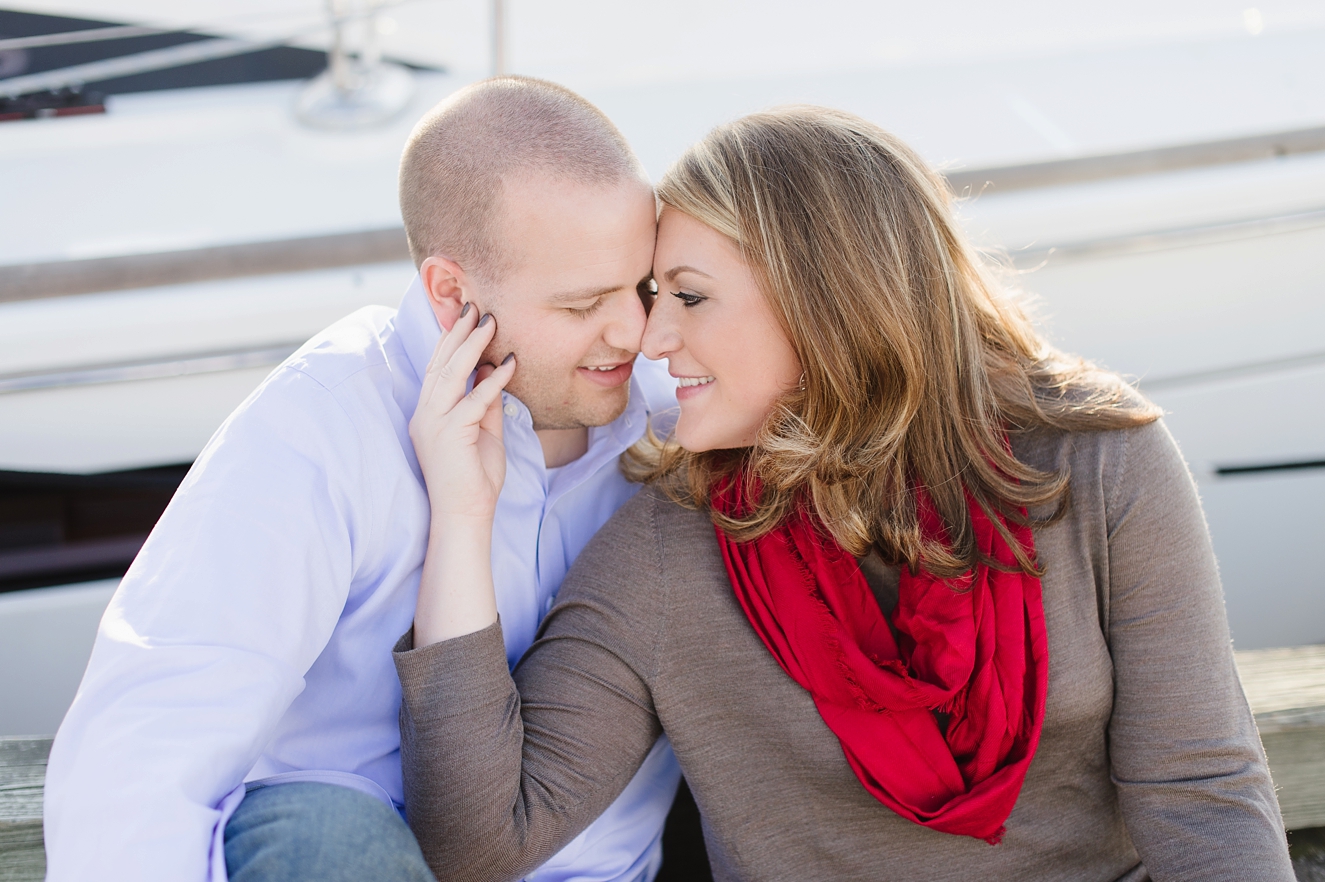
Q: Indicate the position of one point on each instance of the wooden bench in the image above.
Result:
(1286, 689)
(22, 773)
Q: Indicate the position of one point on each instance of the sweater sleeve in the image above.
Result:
(503, 771)
(1191, 775)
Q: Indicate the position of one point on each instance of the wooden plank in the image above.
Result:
(1078, 169)
(35, 281)
(1286, 691)
(22, 776)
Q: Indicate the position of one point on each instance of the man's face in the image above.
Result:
(568, 305)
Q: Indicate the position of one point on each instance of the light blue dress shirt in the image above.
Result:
(251, 639)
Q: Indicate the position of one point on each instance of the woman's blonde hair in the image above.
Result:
(917, 364)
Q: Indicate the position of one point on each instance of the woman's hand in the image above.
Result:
(457, 436)
(458, 440)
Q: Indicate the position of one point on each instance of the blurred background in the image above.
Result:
(187, 192)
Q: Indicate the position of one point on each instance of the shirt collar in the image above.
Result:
(418, 328)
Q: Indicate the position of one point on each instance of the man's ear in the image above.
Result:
(448, 288)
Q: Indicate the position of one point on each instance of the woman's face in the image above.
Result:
(718, 334)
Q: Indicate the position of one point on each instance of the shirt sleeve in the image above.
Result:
(207, 639)
(1191, 775)
(500, 778)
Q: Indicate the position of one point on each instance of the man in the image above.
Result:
(238, 717)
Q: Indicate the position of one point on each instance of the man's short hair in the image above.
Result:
(458, 155)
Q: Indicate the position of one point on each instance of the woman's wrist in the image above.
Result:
(448, 526)
(455, 589)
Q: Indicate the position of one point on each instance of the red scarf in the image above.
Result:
(973, 647)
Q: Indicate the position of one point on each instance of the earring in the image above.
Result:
(800, 387)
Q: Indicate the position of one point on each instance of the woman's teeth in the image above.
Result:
(693, 381)
(603, 367)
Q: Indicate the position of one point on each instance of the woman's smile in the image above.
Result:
(689, 387)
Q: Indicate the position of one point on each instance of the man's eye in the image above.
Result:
(585, 311)
(688, 299)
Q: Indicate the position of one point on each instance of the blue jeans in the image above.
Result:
(313, 831)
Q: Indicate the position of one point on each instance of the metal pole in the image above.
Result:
(498, 38)
(338, 63)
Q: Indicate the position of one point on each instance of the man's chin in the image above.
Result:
(604, 418)
(588, 414)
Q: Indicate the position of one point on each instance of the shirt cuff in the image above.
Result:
(453, 676)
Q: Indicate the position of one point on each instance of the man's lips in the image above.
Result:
(614, 376)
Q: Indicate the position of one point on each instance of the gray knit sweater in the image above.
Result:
(1148, 767)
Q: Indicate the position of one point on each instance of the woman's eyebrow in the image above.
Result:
(675, 271)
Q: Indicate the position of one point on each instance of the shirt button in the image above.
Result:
(547, 607)
(511, 410)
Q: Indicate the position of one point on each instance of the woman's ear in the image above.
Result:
(447, 287)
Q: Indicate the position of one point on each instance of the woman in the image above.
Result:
(913, 595)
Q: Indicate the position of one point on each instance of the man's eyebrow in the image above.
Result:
(675, 271)
(584, 294)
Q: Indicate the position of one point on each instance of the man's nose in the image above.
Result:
(626, 326)
(661, 337)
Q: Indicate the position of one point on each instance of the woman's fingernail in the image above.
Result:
(508, 358)
(465, 310)
(483, 321)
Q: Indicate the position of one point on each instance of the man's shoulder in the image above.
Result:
(348, 347)
(331, 390)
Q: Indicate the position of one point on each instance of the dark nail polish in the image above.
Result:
(483, 321)
(465, 310)
(508, 358)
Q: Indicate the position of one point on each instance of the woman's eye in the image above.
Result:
(688, 299)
